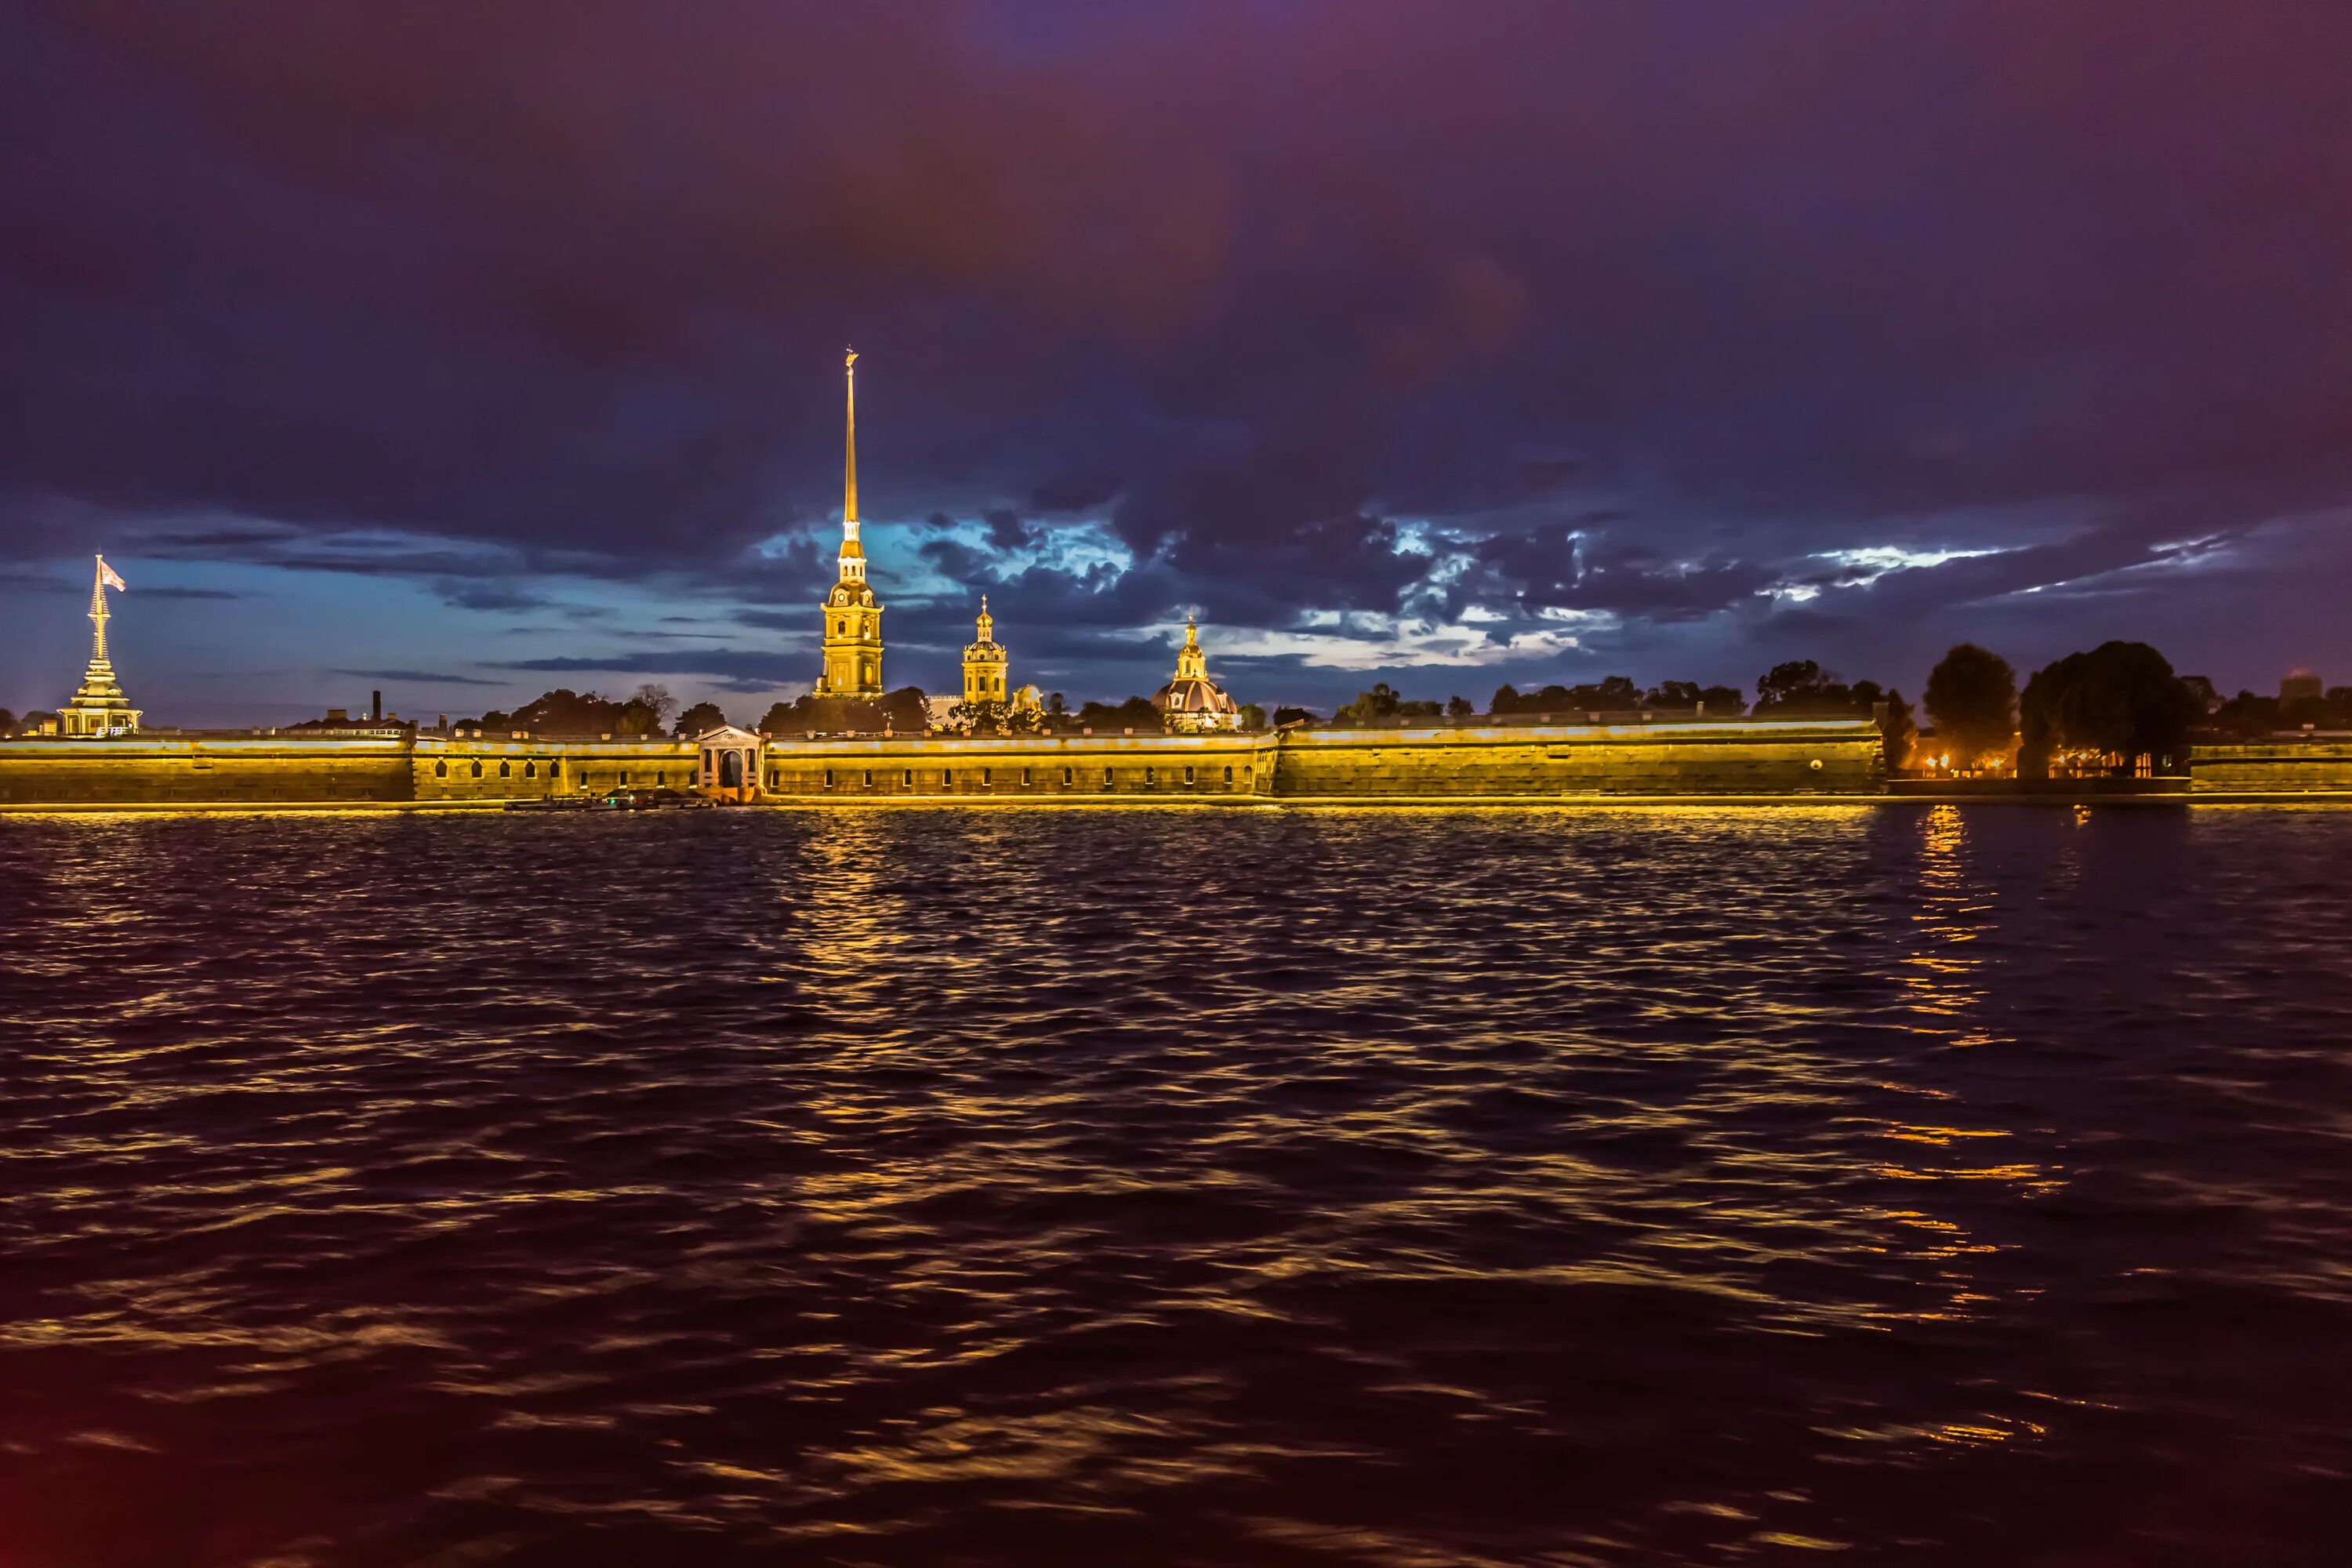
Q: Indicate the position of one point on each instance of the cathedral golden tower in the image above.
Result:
(984, 660)
(853, 618)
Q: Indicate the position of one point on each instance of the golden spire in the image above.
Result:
(1192, 664)
(987, 623)
(849, 467)
(97, 614)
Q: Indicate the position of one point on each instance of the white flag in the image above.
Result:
(110, 576)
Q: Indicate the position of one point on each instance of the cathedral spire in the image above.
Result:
(849, 464)
(853, 620)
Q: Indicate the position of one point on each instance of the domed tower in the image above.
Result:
(1191, 700)
(853, 617)
(985, 660)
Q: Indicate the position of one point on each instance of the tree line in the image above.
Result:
(2118, 706)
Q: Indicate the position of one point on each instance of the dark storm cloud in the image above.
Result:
(562, 285)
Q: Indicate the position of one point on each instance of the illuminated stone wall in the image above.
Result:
(1759, 758)
(151, 771)
(1039, 768)
(2287, 767)
(1502, 763)
(450, 772)
(1765, 757)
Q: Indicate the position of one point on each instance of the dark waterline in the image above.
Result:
(1838, 1184)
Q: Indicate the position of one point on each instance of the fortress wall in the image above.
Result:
(2287, 767)
(1057, 767)
(444, 768)
(1762, 757)
(226, 770)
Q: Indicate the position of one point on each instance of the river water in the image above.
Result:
(1854, 1183)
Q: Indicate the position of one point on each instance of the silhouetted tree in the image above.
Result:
(1458, 708)
(1135, 713)
(906, 710)
(1972, 699)
(654, 699)
(1253, 716)
(2120, 699)
(1380, 703)
(1801, 686)
(702, 716)
(1728, 699)
(1285, 715)
(7, 722)
(986, 716)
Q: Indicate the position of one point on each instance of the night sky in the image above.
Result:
(465, 351)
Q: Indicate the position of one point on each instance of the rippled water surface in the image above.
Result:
(1852, 1183)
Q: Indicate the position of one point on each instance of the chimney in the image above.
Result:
(375, 707)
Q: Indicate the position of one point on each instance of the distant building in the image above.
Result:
(99, 706)
(2302, 687)
(1193, 701)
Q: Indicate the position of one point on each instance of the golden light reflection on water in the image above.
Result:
(747, 1178)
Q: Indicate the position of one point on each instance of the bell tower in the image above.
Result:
(984, 660)
(853, 617)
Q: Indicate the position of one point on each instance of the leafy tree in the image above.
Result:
(993, 718)
(1369, 707)
(1135, 713)
(1801, 686)
(777, 720)
(655, 699)
(1283, 716)
(1728, 699)
(2120, 699)
(7, 722)
(702, 716)
(1505, 700)
(34, 720)
(1458, 708)
(1253, 716)
(1056, 706)
(1675, 694)
(1972, 699)
(906, 710)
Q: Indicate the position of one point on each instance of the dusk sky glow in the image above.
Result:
(464, 352)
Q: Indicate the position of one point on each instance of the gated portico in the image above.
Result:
(730, 764)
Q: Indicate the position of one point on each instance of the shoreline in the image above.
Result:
(2327, 800)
